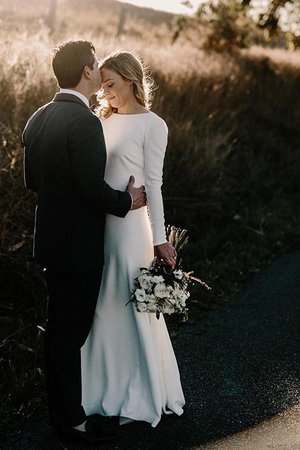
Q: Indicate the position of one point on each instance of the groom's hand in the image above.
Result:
(138, 195)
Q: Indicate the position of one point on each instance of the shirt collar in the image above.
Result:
(78, 94)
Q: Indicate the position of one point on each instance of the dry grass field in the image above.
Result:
(231, 172)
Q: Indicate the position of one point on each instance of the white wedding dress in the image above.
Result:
(128, 365)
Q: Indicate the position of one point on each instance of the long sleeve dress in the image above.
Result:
(128, 364)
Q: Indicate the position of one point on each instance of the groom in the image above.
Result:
(64, 164)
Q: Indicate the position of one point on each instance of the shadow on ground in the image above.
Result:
(239, 366)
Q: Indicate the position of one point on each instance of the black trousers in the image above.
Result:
(72, 299)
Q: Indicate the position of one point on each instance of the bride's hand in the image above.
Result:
(166, 254)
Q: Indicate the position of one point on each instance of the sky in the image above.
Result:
(173, 6)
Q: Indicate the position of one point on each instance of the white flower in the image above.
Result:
(158, 279)
(178, 274)
(161, 290)
(181, 304)
(168, 309)
(145, 281)
(141, 307)
(152, 308)
(150, 298)
(182, 296)
(176, 290)
(172, 300)
(179, 294)
(140, 295)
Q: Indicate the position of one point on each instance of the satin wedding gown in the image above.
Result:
(128, 364)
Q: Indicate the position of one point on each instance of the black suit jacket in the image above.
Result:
(64, 164)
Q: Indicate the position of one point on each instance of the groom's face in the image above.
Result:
(96, 78)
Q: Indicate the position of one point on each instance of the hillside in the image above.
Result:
(109, 16)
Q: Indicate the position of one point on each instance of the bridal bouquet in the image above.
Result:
(162, 289)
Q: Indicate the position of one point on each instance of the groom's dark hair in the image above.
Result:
(69, 60)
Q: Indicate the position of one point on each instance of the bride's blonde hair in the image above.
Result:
(130, 67)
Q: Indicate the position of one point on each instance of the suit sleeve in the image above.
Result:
(87, 163)
(29, 180)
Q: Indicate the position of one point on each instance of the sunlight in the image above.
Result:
(174, 6)
(281, 431)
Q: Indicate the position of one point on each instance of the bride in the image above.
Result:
(128, 365)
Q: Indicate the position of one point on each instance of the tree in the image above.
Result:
(239, 23)
(228, 21)
(278, 12)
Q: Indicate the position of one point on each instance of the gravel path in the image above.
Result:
(240, 366)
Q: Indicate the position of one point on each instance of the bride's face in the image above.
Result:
(117, 90)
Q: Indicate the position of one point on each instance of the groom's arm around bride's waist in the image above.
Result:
(87, 162)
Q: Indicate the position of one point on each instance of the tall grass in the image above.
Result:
(231, 171)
